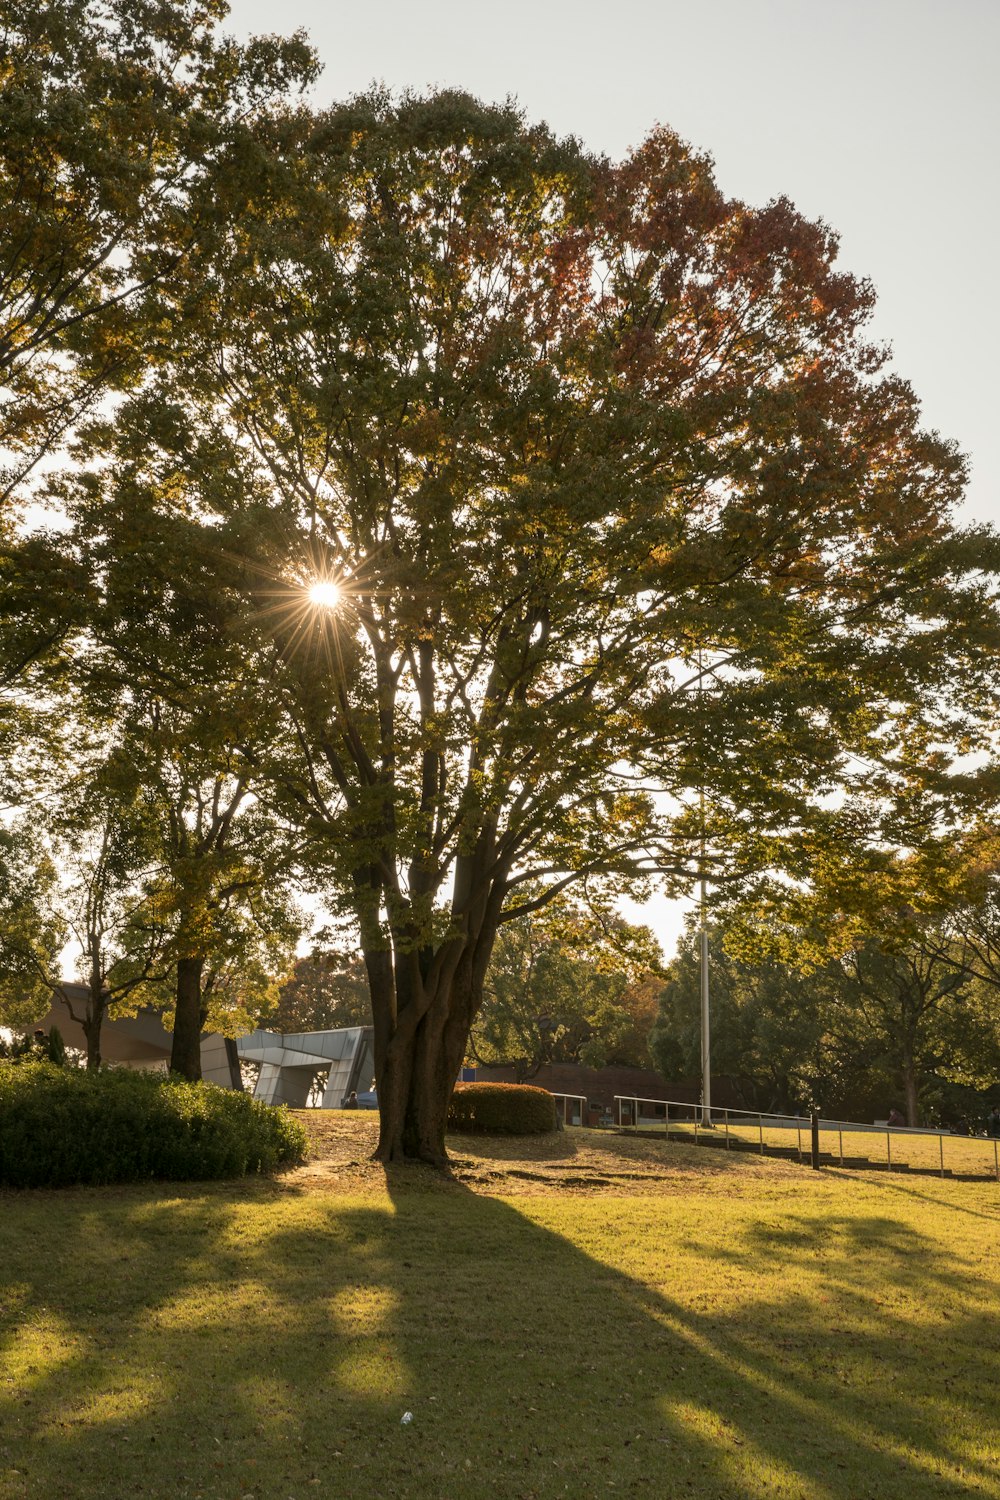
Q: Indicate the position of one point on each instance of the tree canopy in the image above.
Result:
(116, 119)
(637, 546)
(888, 957)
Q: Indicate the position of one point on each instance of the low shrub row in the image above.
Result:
(62, 1125)
(506, 1108)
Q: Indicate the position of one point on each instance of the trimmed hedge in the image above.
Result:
(60, 1126)
(502, 1108)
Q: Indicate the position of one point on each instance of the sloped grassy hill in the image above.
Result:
(582, 1315)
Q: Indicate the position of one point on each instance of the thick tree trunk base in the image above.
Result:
(407, 1135)
(413, 1098)
(416, 1072)
(397, 1156)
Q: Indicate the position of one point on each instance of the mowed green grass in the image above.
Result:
(733, 1332)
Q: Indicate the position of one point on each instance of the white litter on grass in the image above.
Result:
(406, 1417)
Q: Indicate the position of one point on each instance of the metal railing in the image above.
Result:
(900, 1148)
(571, 1108)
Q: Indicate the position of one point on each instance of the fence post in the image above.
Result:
(814, 1143)
(760, 1132)
(941, 1150)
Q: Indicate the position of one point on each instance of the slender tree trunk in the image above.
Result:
(185, 1054)
(92, 1020)
(92, 1032)
(97, 1003)
(908, 1069)
(910, 1089)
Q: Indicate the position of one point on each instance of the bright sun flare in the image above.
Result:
(325, 594)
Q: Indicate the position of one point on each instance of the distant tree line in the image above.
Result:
(906, 1017)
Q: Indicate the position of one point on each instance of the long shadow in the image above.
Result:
(558, 1147)
(193, 1342)
(950, 1204)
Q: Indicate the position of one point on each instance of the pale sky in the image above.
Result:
(880, 116)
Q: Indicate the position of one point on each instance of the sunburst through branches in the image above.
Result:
(324, 594)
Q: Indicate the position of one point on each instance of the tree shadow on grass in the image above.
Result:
(257, 1340)
(552, 1146)
(657, 1153)
(949, 1203)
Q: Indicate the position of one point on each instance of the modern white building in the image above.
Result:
(290, 1065)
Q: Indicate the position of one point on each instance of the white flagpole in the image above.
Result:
(706, 1045)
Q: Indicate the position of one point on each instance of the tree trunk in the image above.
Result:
(92, 1031)
(909, 1072)
(782, 1095)
(423, 1007)
(416, 1076)
(185, 1054)
(97, 1003)
(414, 1091)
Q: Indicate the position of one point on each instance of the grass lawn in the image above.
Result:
(585, 1315)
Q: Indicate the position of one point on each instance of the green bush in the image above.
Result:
(34, 1046)
(502, 1108)
(62, 1125)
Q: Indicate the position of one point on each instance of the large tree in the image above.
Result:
(613, 506)
(953, 897)
(890, 949)
(787, 1040)
(80, 882)
(219, 885)
(886, 1023)
(115, 113)
(911, 998)
(116, 116)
